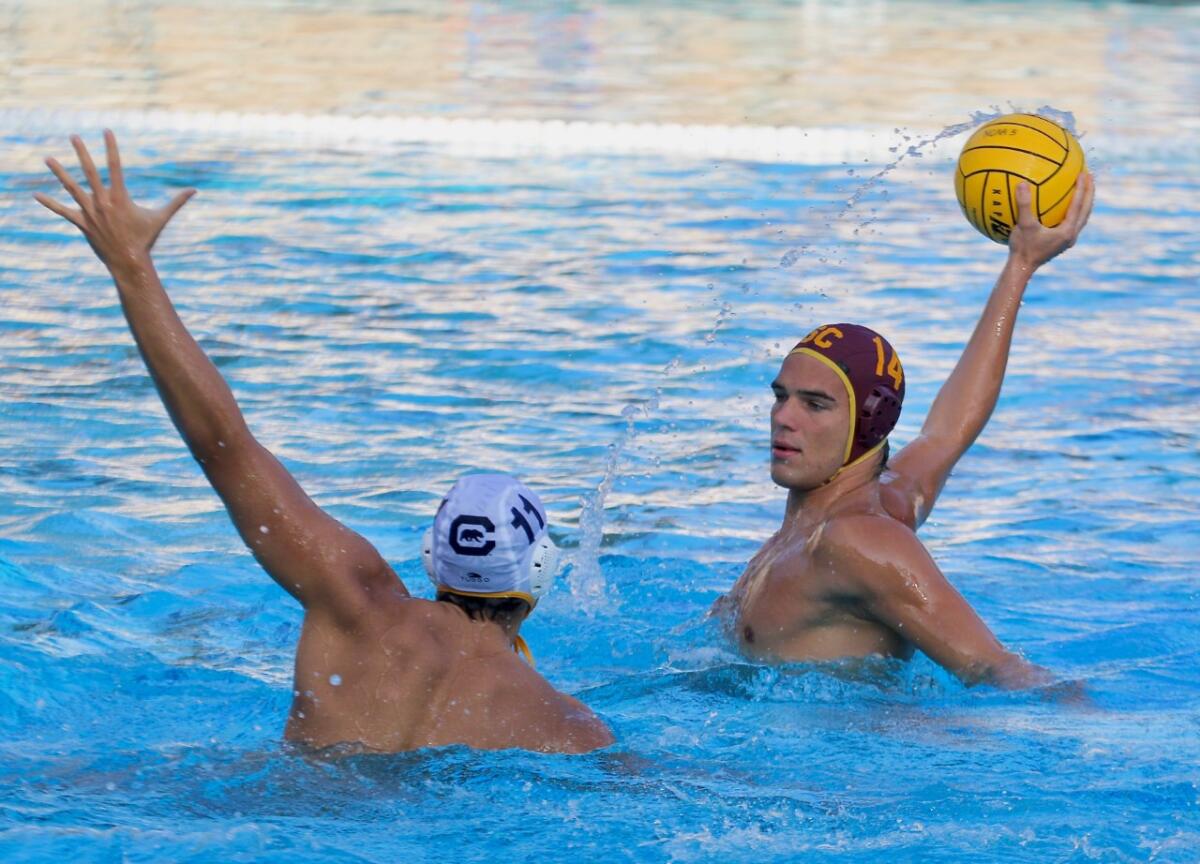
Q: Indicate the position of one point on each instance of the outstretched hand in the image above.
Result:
(1031, 243)
(118, 230)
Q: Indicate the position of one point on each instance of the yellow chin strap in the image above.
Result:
(520, 646)
(853, 412)
(849, 394)
(863, 458)
(499, 595)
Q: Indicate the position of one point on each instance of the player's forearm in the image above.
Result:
(197, 398)
(1007, 671)
(969, 396)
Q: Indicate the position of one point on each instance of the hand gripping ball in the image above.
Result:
(1003, 152)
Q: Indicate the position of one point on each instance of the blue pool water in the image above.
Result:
(607, 328)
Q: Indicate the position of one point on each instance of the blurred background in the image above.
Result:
(572, 241)
(1123, 68)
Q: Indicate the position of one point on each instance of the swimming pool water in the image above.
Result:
(606, 328)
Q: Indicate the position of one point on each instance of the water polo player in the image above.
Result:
(845, 575)
(375, 668)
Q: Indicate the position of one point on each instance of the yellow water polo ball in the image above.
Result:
(1003, 152)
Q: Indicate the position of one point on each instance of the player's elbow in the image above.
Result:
(213, 443)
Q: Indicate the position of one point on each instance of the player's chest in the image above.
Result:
(780, 592)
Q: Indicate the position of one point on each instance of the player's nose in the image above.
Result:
(784, 415)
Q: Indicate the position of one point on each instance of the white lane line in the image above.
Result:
(795, 145)
(777, 144)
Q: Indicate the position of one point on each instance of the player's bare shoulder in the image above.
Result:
(857, 551)
(551, 721)
(580, 730)
(423, 630)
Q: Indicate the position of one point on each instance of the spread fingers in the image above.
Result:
(89, 167)
(81, 197)
(72, 216)
(116, 176)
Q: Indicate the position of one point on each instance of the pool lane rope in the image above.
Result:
(790, 145)
(492, 138)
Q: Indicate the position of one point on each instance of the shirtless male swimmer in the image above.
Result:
(376, 669)
(846, 576)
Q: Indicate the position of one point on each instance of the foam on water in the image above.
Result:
(396, 301)
(607, 328)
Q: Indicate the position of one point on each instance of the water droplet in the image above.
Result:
(335, 680)
(264, 529)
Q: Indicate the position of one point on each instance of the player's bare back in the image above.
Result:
(418, 673)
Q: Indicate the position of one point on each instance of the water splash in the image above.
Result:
(724, 315)
(586, 581)
(1065, 119)
(914, 150)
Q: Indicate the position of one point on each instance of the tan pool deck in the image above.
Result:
(1119, 68)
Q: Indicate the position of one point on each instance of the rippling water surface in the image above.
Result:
(607, 328)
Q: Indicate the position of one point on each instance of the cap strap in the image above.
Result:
(498, 595)
(864, 457)
(849, 392)
(520, 646)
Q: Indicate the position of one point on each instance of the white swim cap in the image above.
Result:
(490, 539)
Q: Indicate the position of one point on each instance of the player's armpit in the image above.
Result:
(915, 477)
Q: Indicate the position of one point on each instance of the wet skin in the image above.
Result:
(789, 604)
(414, 673)
(845, 575)
(375, 668)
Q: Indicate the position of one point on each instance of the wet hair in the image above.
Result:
(884, 451)
(487, 608)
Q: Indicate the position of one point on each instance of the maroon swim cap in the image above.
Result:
(874, 380)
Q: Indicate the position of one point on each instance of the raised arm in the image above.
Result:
(897, 582)
(965, 402)
(327, 567)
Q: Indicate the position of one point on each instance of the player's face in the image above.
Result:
(810, 422)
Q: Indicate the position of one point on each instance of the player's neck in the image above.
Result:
(819, 503)
(498, 628)
(511, 628)
(508, 625)
(491, 637)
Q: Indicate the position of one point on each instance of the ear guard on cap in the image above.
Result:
(878, 416)
(543, 567)
(427, 555)
(543, 563)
